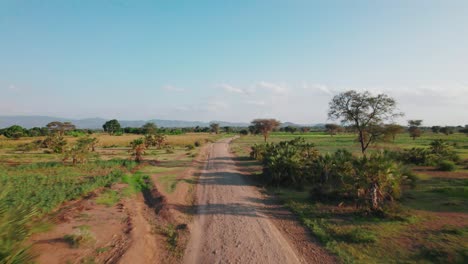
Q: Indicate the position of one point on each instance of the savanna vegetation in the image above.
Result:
(369, 192)
(39, 173)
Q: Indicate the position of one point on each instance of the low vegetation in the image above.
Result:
(320, 182)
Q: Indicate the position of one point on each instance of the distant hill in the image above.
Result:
(96, 123)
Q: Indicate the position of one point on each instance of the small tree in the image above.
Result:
(137, 149)
(391, 130)
(55, 142)
(414, 129)
(364, 111)
(332, 129)
(265, 126)
(111, 126)
(149, 128)
(214, 128)
(80, 151)
(227, 129)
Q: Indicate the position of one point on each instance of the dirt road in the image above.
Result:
(230, 226)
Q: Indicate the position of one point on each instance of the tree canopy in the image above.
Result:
(111, 126)
(364, 111)
(265, 126)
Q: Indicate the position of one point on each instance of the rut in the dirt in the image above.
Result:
(229, 226)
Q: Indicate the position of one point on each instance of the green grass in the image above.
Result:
(402, 236)
(108, 198)
(46, 185)
(169, 182)
(438, 194)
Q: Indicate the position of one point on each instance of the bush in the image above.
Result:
(438, 150)
(373, 181)
(189, 147)
(197, 143)
(446, 165)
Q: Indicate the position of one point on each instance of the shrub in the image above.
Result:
(189, 147)
(371, 181)
(446, 165)
(438, 150)
(82, 236)
(197, 143)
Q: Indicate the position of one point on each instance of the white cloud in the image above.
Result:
(171, 88)
(232, 89)
(273, 87)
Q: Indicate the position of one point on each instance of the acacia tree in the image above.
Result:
(214, 128)
(265, 126)
(60, 128)
(365, 112)
(414, 129)
(391, 130)
(111, 126)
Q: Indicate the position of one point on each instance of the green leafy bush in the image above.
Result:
(371, 181)
(446, 165)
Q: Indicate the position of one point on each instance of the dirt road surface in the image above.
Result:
(230, 225)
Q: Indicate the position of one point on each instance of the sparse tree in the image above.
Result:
(149, 128)
(55, 142)
(364, 111)
(111, 126)
(265, 126)
(391, 130)
(214, 128)
(137, 149)
(80, 151)
(332, 129)
(414, 129)
(60, 128)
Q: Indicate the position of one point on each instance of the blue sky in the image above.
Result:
(231, 60)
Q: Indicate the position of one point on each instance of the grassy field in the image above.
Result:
(429, 226)
(34, 184)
